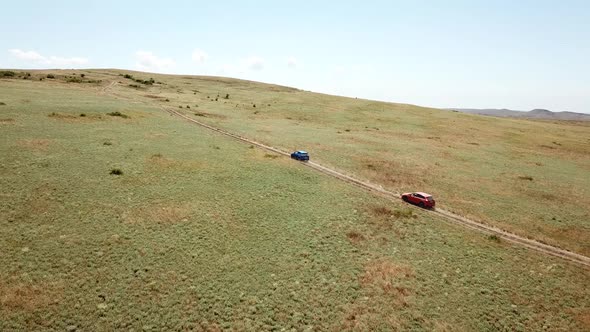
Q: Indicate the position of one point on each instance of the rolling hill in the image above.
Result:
(533, 114)
(117, 215)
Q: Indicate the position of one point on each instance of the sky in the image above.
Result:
(470, 54)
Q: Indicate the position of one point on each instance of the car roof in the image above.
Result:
(423, 194)
(301, 151)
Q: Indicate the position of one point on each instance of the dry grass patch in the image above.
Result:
(25, 296)
(5, 121)
(37, 144)
(162, 213)
(162, 161)
(387, 276)
(355, 237)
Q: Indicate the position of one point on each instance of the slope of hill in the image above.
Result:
(115, 215)
(533, 114)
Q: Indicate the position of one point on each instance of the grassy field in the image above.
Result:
(116, 215)
(527, 177)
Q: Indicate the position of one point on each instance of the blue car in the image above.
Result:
(300, 155)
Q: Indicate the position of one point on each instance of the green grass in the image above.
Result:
(474, 165)
(203, 232)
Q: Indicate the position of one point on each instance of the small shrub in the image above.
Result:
(179, 106)
(526, 177)
(2, 103)
(7, 73)
(405, 213)
(82, 75)
(116, 171)
(494, 238)
(119, 114)
(355, 237)
(254, 105)
(227, 96)
(216, 99)
(256, 112)
(187, 106)
(157, 155)
(167, 99)
(199, 114)
(28, 74)
(73, 80)
(382, 211)
(107, 143)
(135, 86)
(128, 76)
(82, 115)
(271, 156)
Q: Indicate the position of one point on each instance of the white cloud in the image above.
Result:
(291, 62)
(33, 56)
(200, 56)
(148, 61)
(254, 63)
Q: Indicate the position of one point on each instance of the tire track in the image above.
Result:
(446, 215)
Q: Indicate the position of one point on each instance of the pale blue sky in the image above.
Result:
(476, 54)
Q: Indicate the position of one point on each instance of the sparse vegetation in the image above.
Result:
(2, 103)
(526, 177)
(116, 171)
(118, 114)
(494, 238)
(7, 73)
(73, 80)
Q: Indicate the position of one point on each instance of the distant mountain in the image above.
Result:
(534, 114)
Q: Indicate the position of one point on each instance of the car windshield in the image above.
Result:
(303, 153)
(430, 199)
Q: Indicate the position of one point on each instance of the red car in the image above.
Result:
(421, 199)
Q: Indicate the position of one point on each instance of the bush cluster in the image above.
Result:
(119, 114)
(7, 73)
